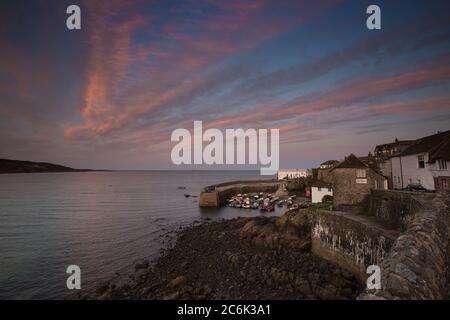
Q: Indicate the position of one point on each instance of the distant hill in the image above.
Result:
(18, 166)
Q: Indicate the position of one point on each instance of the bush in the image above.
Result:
(327, 199)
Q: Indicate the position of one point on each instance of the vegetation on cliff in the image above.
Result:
(19, 166)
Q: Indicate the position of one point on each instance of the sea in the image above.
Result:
(103, 222)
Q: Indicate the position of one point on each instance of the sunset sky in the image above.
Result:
(109, 95)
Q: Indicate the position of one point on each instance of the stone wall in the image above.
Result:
(405, 233)
(350, 241)
(209, 199)
(396, 209)
(224, 191)
(346, 190)
(417, 265)
(324, 175)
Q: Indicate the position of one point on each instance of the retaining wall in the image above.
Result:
(413, 257)
(417, 265)
(350, 241)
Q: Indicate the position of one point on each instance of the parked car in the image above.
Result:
(415, 187)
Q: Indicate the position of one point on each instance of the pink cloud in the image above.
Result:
(165, 70)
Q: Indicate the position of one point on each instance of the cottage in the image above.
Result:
(425, 163)
(352, 181)
(324, 170)
(384, 154)
(369, 161)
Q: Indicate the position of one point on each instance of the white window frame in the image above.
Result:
(420, 158)
(442, 164)
(361, 173)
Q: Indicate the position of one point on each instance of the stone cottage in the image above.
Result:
(352, 181)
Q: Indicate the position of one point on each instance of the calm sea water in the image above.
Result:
(103, 222)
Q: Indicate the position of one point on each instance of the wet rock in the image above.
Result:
(142, 265)
(237, 259)
(207, 290)
(102, 289)
(180, 280)
(172, 296)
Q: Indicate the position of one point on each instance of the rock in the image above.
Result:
(302, 285)
(178, 281)
(248, 229)
(102, 289)
(248, 258)
(172, 296)
(207, 289)
(142, 265)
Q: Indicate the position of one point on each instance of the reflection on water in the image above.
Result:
(102, 221)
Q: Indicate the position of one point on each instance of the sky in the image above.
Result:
(108, 96)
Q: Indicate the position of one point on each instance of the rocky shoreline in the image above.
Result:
(243, 258)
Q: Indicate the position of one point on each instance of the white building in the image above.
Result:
(425, 163)
(385, 152)
(293, 173)
(319, 190)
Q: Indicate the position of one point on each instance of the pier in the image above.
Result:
(217, 195)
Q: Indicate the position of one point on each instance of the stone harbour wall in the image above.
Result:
(209, 199)
(224, 191)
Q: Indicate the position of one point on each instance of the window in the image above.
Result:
(445, 184)
(319, 189)
(361, 173)
(442, 164)
(398, 179)
(421, 161)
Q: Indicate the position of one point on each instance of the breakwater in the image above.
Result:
(217, 195)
